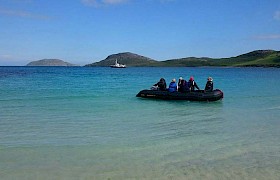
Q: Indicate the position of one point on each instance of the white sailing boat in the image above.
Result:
(117, 65)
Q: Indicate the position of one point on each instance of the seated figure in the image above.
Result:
(172, 86)
(209, 85)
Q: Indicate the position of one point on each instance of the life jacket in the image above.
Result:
(183, 86)
(191, 85)
(209, 86)
(172, 87)
(186, 87)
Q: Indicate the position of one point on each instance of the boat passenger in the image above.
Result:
(192, 84)
(209, 85)
(161, 85)
(182, 85)
(172, 86)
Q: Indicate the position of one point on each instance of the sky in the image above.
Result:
(87, 31)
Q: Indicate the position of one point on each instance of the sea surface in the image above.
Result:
(86, 123)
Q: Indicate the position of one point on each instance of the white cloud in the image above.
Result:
(166, 1)
(12, 60)
(6, 56)
(89, 2)
(25, 14)
(22, 1)
(97, 3)
(277, 15)
(267, 37)
(114, 1)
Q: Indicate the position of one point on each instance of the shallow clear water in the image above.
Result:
(86, 123)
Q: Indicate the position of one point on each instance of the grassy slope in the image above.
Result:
(255, 58)
(263, 58)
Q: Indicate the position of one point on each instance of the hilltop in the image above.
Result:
(258, 58)
(128, 58)
(50, 62)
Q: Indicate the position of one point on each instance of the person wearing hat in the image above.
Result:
(192, 84)
(161, 85)
(209, 84)
(182, 85)
(172, 86)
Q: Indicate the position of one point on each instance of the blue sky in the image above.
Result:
(86, 31)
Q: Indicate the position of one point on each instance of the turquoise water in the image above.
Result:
(86, 123)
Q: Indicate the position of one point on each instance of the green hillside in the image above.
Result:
(262, 58)
(259, 58)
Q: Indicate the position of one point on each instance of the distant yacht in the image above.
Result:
(117, 65)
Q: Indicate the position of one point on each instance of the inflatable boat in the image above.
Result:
(199, 95)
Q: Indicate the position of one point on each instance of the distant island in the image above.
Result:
(258, 58)
(50, 62)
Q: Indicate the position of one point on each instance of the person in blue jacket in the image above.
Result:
(172, 86)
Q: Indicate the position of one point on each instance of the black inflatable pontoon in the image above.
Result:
(198, 95)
